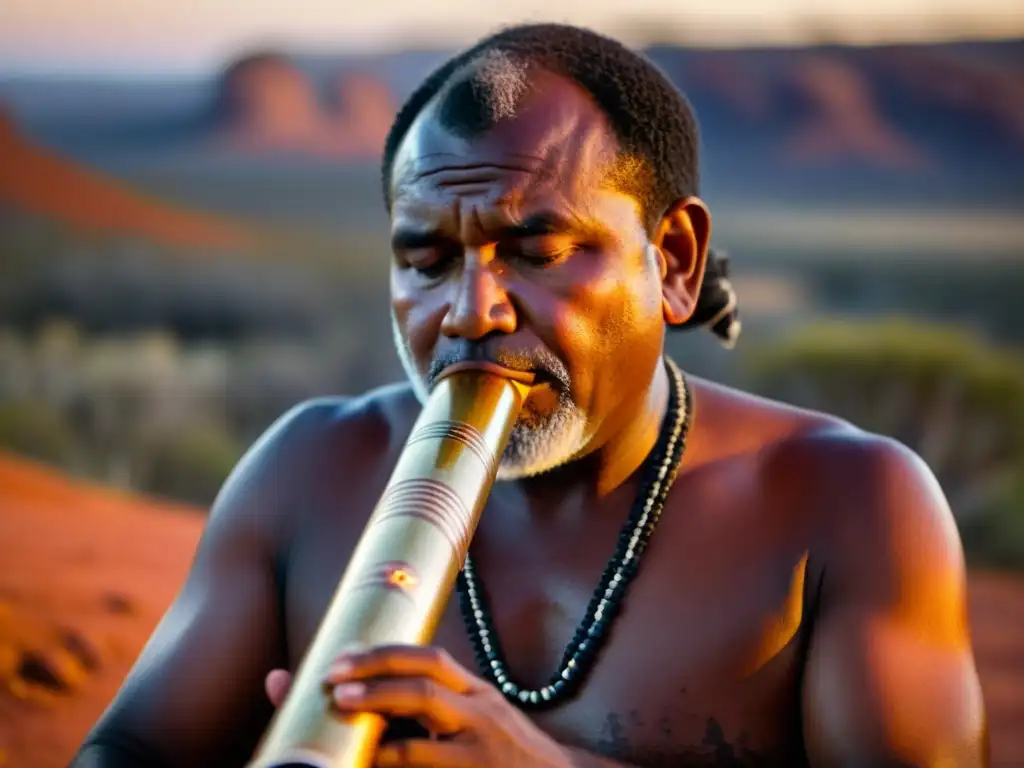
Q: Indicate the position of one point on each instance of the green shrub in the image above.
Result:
(191, 464)
(36, 430)
(997, 539)
(947, 394)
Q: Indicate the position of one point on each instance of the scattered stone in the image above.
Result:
(82, 649)
(42, 670)
(118, 603)
(54, 669)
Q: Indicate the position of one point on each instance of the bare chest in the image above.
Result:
(700, 667)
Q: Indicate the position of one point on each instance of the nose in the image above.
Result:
(480, 304)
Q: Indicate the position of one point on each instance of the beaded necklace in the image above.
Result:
(659, 472)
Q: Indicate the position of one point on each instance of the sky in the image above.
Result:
(137, 36)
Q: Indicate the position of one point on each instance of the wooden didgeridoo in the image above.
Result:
(402, 572)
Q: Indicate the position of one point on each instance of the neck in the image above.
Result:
(614, 455)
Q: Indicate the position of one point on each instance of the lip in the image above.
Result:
(523, 377)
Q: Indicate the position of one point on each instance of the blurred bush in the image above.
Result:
(946, 393)
(191, 463)
(997, 539)
(110, 284)
(144, 411)
(36, 430)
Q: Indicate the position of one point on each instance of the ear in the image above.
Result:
(682, 238)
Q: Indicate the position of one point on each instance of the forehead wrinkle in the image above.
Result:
(407, 170)
(571, 157)
(536, 193)
(571, 183)
(580, 189)
(578, 152)
(430, 162)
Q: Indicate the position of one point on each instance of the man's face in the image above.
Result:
(514, 247)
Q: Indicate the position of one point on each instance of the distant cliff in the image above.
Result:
(266, 104)
(921, 122)
(918, 124)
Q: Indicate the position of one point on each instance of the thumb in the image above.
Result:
(277, 684)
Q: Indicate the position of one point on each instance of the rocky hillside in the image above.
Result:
(926, 124)
(38, 181)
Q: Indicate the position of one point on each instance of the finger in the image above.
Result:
(404, 661)
(420, 753)
(437, 708)
(277, 684)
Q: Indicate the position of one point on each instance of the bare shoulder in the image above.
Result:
(829, 455)
(730, 423)
(371, 414)
(858, 480)
(889, 676)
(869, 498)
(366, 421)
(310, 445)
(361, 428)
(883, 529)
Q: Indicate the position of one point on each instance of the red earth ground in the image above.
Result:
(87, 572)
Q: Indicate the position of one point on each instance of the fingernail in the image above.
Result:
(348, 692)
(337, 671)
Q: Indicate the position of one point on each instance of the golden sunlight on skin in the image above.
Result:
(783, 627)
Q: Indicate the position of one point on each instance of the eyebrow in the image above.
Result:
(535, 225)
(413, 239)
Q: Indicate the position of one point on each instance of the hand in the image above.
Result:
(475, 726)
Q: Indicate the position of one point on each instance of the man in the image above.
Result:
(794, 597)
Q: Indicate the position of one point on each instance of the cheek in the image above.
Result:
(418, 316)
(612, 306)
(402, 299)
(600, 327)
(618, 333)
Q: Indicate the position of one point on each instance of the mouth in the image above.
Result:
(527, 378)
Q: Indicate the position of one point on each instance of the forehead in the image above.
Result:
(558, 142)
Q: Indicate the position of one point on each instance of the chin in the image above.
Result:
(532, 451)
(536, 445)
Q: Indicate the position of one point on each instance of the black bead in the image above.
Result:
(592, 633)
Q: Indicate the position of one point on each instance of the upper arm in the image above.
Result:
(891, 678)
(195, 695)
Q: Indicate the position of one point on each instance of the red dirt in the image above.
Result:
(87, 573)
(89, 563)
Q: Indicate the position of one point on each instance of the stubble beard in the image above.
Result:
(537, 443)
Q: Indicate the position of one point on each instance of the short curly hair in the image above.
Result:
(652, 120)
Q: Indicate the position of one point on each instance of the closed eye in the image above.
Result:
(430, 260)
(432, 271)
(545, 250)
